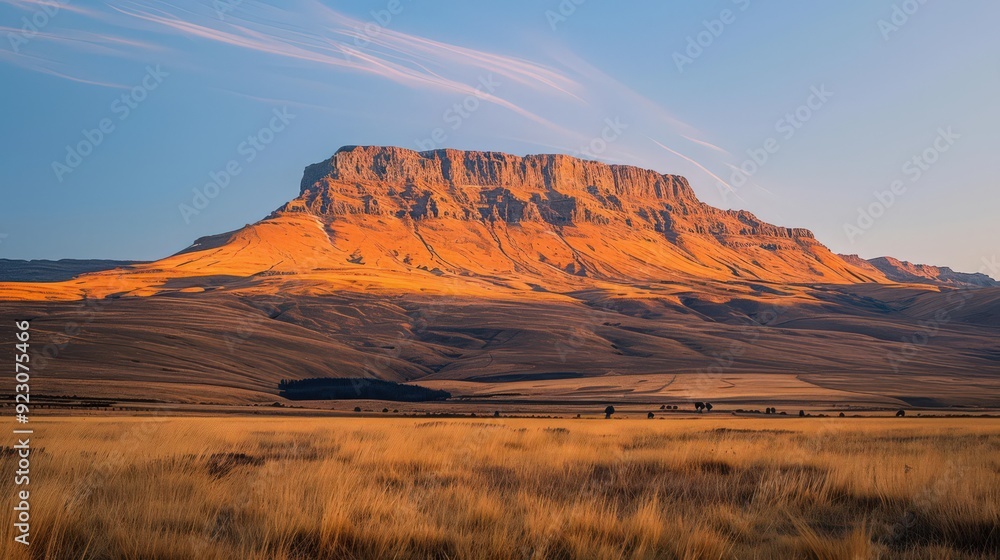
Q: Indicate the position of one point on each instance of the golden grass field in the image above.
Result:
(271, 487)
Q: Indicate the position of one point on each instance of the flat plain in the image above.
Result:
(511, 488)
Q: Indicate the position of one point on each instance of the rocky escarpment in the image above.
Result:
(492, 186)
(492, 213)
(907, 272)
(361, 164)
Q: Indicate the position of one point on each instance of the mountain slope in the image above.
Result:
(54, 271)
(498, 276)
(539, 216)
(904, 272)
(390, 216)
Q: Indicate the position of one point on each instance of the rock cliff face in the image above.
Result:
(906, 272)
(530, 214)
(556, 189)
(495, 169)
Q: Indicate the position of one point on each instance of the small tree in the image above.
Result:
(650, 416)
(708, 407)
(802, 413)
(385, 410)
(663, 407)
(496, 414)
(609, 411)
(901, 413)
(357, 409)
(699, 406)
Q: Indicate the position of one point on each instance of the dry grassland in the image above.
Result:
(256, 488)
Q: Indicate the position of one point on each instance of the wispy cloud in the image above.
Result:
(331, 41)
(706, 144)
(702, 167)
(308, 38)
(33, 6)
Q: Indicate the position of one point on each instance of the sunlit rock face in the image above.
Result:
(546, 214)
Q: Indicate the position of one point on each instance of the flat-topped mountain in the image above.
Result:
(549, 222)
(493, 276)
(542, 215)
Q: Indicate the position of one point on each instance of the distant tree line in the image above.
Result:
(340, 388)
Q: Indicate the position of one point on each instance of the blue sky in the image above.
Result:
(834, 100)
